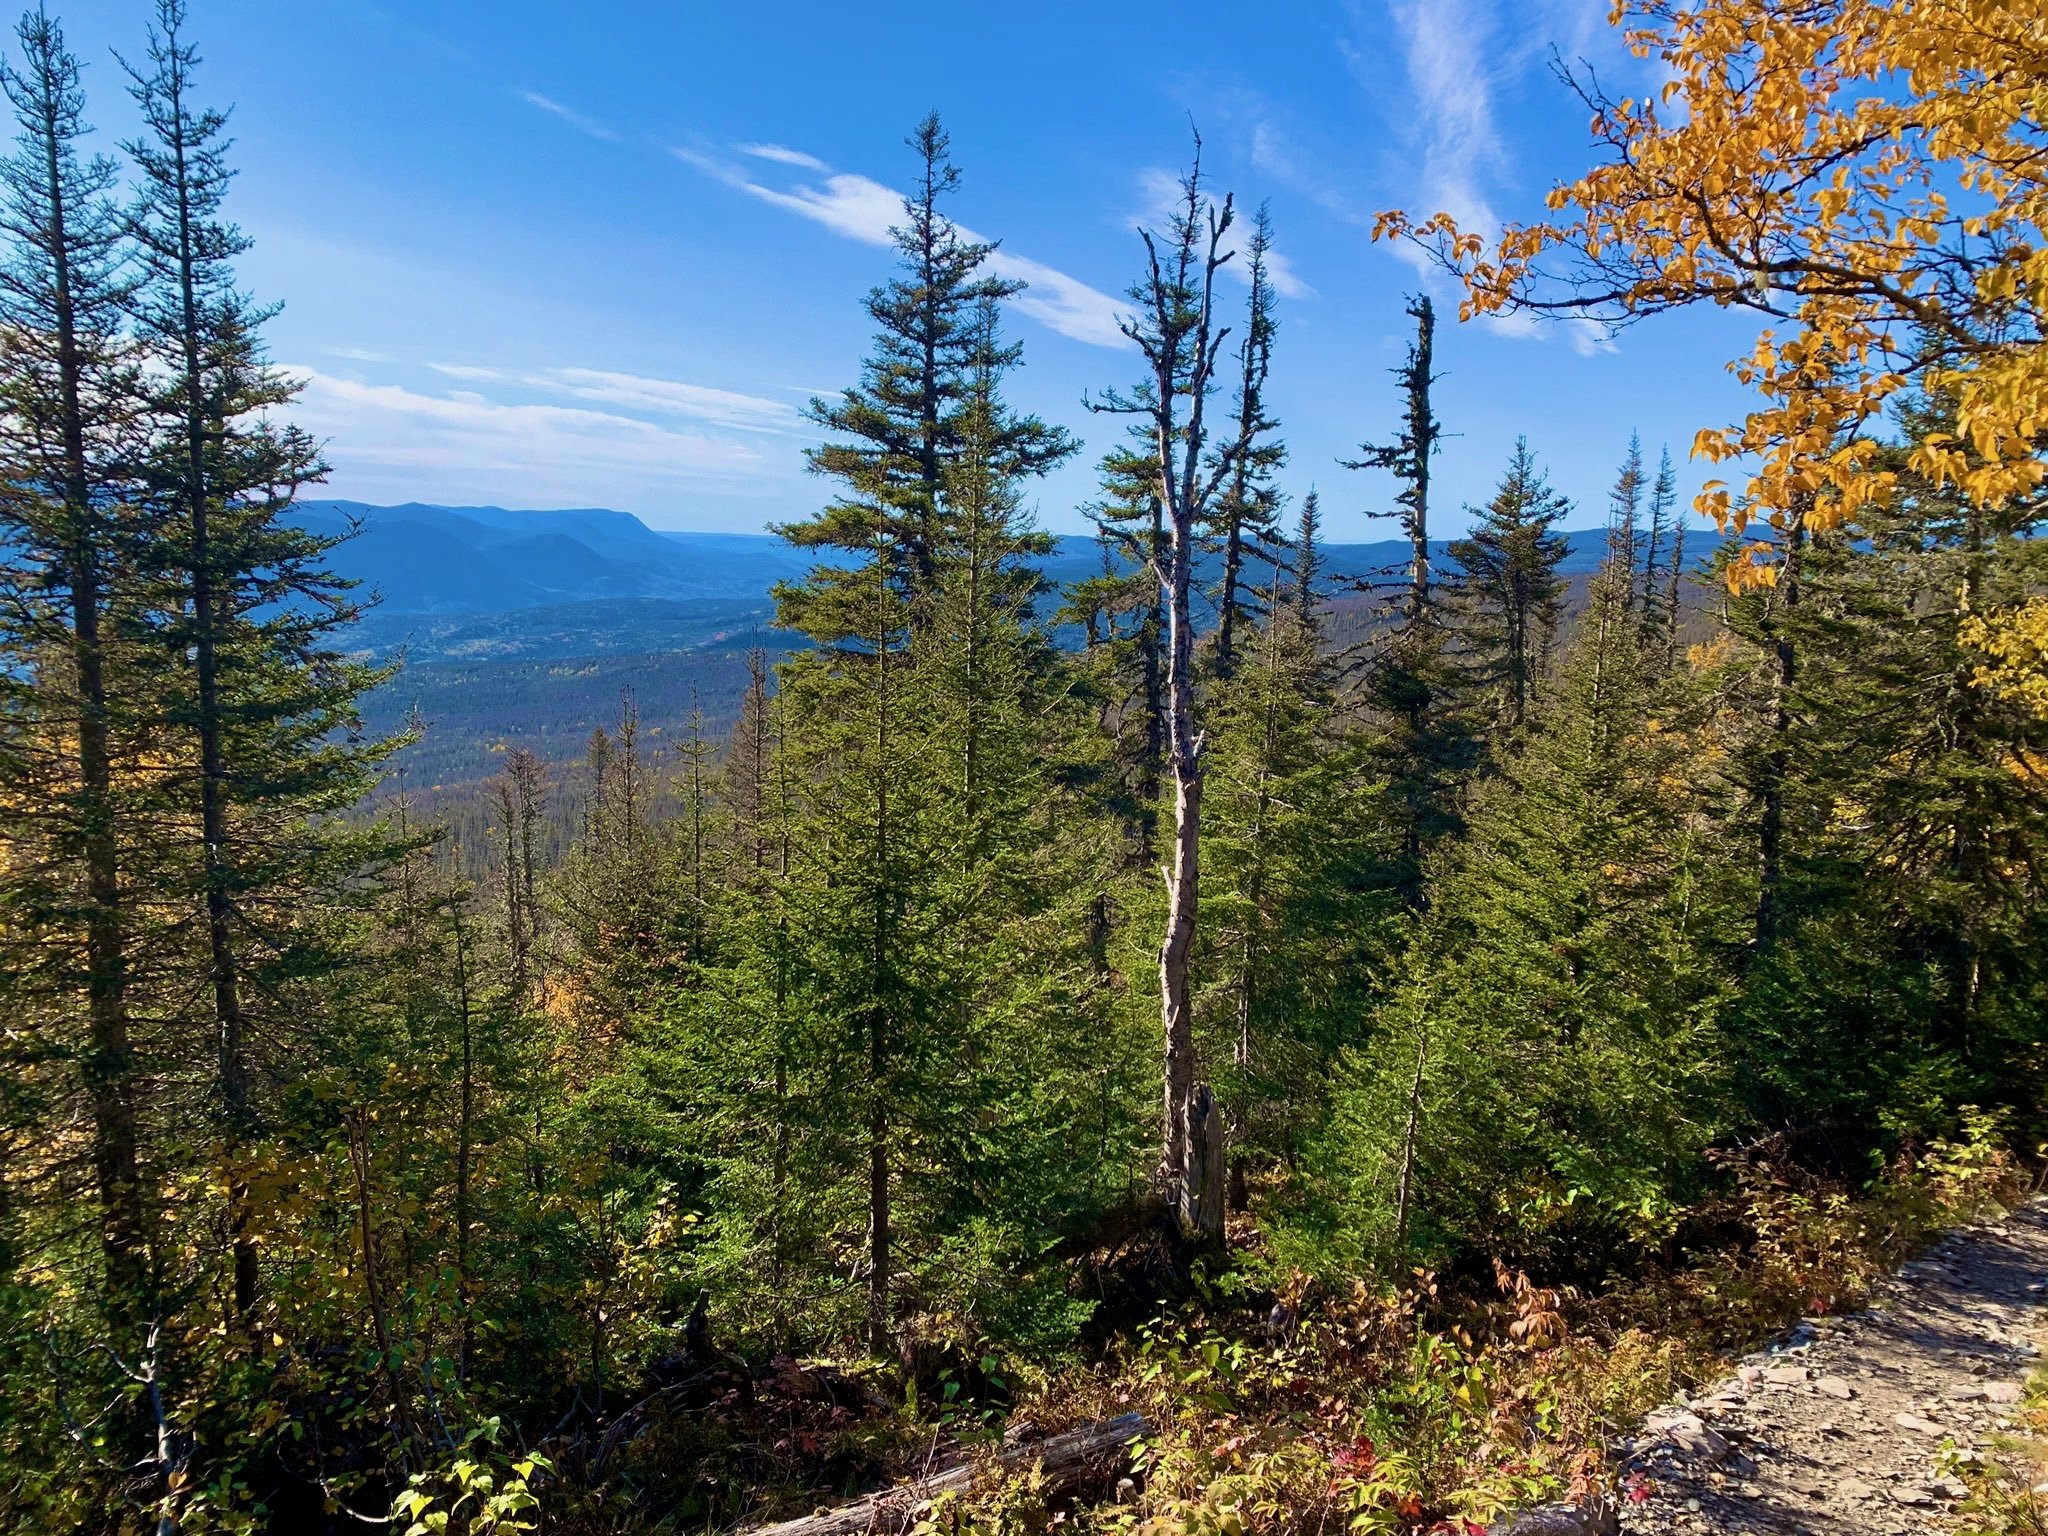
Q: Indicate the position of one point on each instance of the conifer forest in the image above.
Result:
(1383, 1029)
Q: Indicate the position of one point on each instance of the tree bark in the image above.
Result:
(1423, 430)
(1064, 1459)
(1777, 760)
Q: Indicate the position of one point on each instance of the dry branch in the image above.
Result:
(1065, 1459)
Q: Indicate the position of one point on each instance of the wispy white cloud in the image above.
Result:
(664, 397)
(782, 154)
(863, 209)
(584, 125)
(1449, 51)
(1287, 282)
(1059, 302)
(847, 204)
(387, 440)
(1589, 336)
(1453, 56)
(1159, 195)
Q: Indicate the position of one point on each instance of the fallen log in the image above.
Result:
(1064, 1459)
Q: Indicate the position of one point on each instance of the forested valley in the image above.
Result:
(1384, 1054)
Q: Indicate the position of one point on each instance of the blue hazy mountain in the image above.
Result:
(528, 626)
(450, 560)
(477, 579)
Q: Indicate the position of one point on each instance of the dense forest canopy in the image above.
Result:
(1024, 969)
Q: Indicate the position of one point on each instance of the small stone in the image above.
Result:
(2002, 1392)
(1855, 1488)
(1698, 1443)
(1785, 1376)
(1919, 1497)
(1913, 1421)
(1834, 1386)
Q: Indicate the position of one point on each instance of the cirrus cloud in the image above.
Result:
(866, 210)
(389, 442)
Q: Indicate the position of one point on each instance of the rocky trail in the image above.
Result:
(1857, 1426)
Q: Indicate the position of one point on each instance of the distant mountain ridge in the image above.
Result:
(436, 562)
(528, 626)
(422, 559)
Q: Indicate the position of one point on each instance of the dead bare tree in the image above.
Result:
(1176, 331)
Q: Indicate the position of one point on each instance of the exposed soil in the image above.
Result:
(1857, 1426)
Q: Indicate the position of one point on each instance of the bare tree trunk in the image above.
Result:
(1152, 663)
(1177, 334)
(1184, 745)
(1777, 761)
(1423, 427)
(1405, 1183)
(879, 1257)
(1207, 1189)
(1062, 1461)
(464, 1147)
(373, 1286)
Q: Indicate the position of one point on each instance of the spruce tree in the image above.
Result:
(255, 621)
(1509, 596)
(1425, 743)
(68, 426)
(1664, 576)
(1293, 924)
(882, 966)
(1247, 509)
(1625, 519)
(894, 435)
(1550, 1027)
(1409, 456)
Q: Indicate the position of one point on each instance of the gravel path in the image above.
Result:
(1854, 1426)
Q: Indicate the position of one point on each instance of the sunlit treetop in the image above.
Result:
(1871, 177)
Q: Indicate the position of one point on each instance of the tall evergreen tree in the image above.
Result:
(1664, 572)
(1425, 743)
(1625, 519)
(894, 434)
(256, 619)
(1293, 923)
(1247, 509)
(68, 409)
(1550, 1028)
(1409, 456)
(1509, 593)
(894, 723)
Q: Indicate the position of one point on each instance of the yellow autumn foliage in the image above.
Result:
(1866, 175)
(2015, 648)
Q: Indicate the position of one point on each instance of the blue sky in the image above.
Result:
(551, 255)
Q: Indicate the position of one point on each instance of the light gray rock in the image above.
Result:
(1601, 1519)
